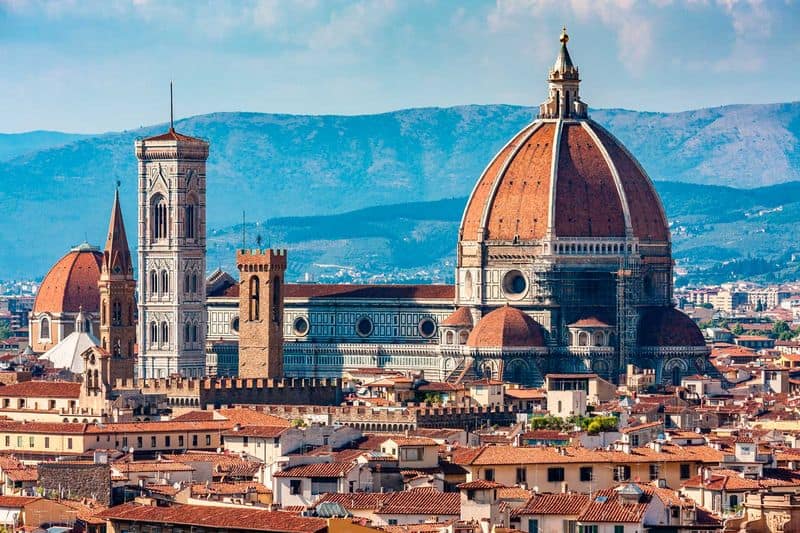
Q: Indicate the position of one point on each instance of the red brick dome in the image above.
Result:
(667, 326)
(572, 177)
(461, 317)
(71, 283)
(507, 327)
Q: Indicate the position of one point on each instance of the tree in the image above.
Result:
(737, 329)
(5, 331)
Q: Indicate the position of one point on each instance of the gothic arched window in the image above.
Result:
(255, 298)
(153, 334)
(164, 281)
(159, 222)
(190, 221)
(153, 282)
(164, 333)
(186, 332)
(194, 332)
(186, 284)
(194, 282)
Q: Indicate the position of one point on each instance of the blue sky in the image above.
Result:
(86, 66)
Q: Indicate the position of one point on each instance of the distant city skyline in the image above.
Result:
(93, 67)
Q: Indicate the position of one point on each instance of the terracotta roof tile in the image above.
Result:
(329, 470)
(413, 292)
(507, 327)
(569, 504)
(215, 517)
(461, 317)
(71, 284)
(42, 389)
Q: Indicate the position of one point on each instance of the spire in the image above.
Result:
(117, 255)
(563, 82)
(563, 61)
(171, 109)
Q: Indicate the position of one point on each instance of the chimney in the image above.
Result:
(657, 446)
(564, 487)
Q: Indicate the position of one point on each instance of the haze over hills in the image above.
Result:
(56, 191)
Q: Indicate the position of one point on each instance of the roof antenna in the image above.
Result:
(171, 113)
(243, 226)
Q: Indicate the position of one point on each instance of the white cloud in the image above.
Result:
(625, 17)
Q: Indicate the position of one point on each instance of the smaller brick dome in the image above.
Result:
(667, 326)
(461, 318)
(507, 327)
(72, 283)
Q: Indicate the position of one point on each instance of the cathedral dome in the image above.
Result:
(507, 327)
(71, 285)
(667, 326)
(563, 176)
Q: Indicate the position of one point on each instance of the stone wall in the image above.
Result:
(77, 480)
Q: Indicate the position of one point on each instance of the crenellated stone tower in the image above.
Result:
(172, 255)
(117, 299)
(261, 275)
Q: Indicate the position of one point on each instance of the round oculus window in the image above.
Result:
(235, 325)
(301, 326)
(427, 327)
(364, 326)
(514, 283)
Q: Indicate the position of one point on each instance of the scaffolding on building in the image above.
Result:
(629, 282)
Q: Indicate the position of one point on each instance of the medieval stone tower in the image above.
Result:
(117, 299)
(172, 254)
(261, 275)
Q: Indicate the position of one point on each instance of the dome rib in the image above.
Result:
(473, 211)
(648, 224)
(488, 207)
(551, 214)
(587, 203)
(614, 173)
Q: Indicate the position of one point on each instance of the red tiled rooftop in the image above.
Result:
(507, 327)
(71, 284)
(327, 470)
(42, 389)
(215, 517)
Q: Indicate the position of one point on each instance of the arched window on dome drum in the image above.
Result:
(255, 298)
(190, 221)
(449, 338)
(153, 334)
(583, 339)
(165, 333)
(462, 337)
(159, 222)
(44, 328)
(153, 282)
(599, 339)
(276, 300)
(164, 281)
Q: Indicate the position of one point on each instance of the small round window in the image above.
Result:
(427, 327)
(514, 283)
(235, 325)
(364, 326)
(300, 326)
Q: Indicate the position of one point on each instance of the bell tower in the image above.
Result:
(117, 300)
(261, 275)
(172, 254)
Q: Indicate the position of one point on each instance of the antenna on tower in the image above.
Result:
(171, 112)
(243, 230)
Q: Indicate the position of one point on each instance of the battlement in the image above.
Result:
(223, 383)
(256, 260)
(214, 392)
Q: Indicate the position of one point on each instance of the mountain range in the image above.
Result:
(302, 177)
